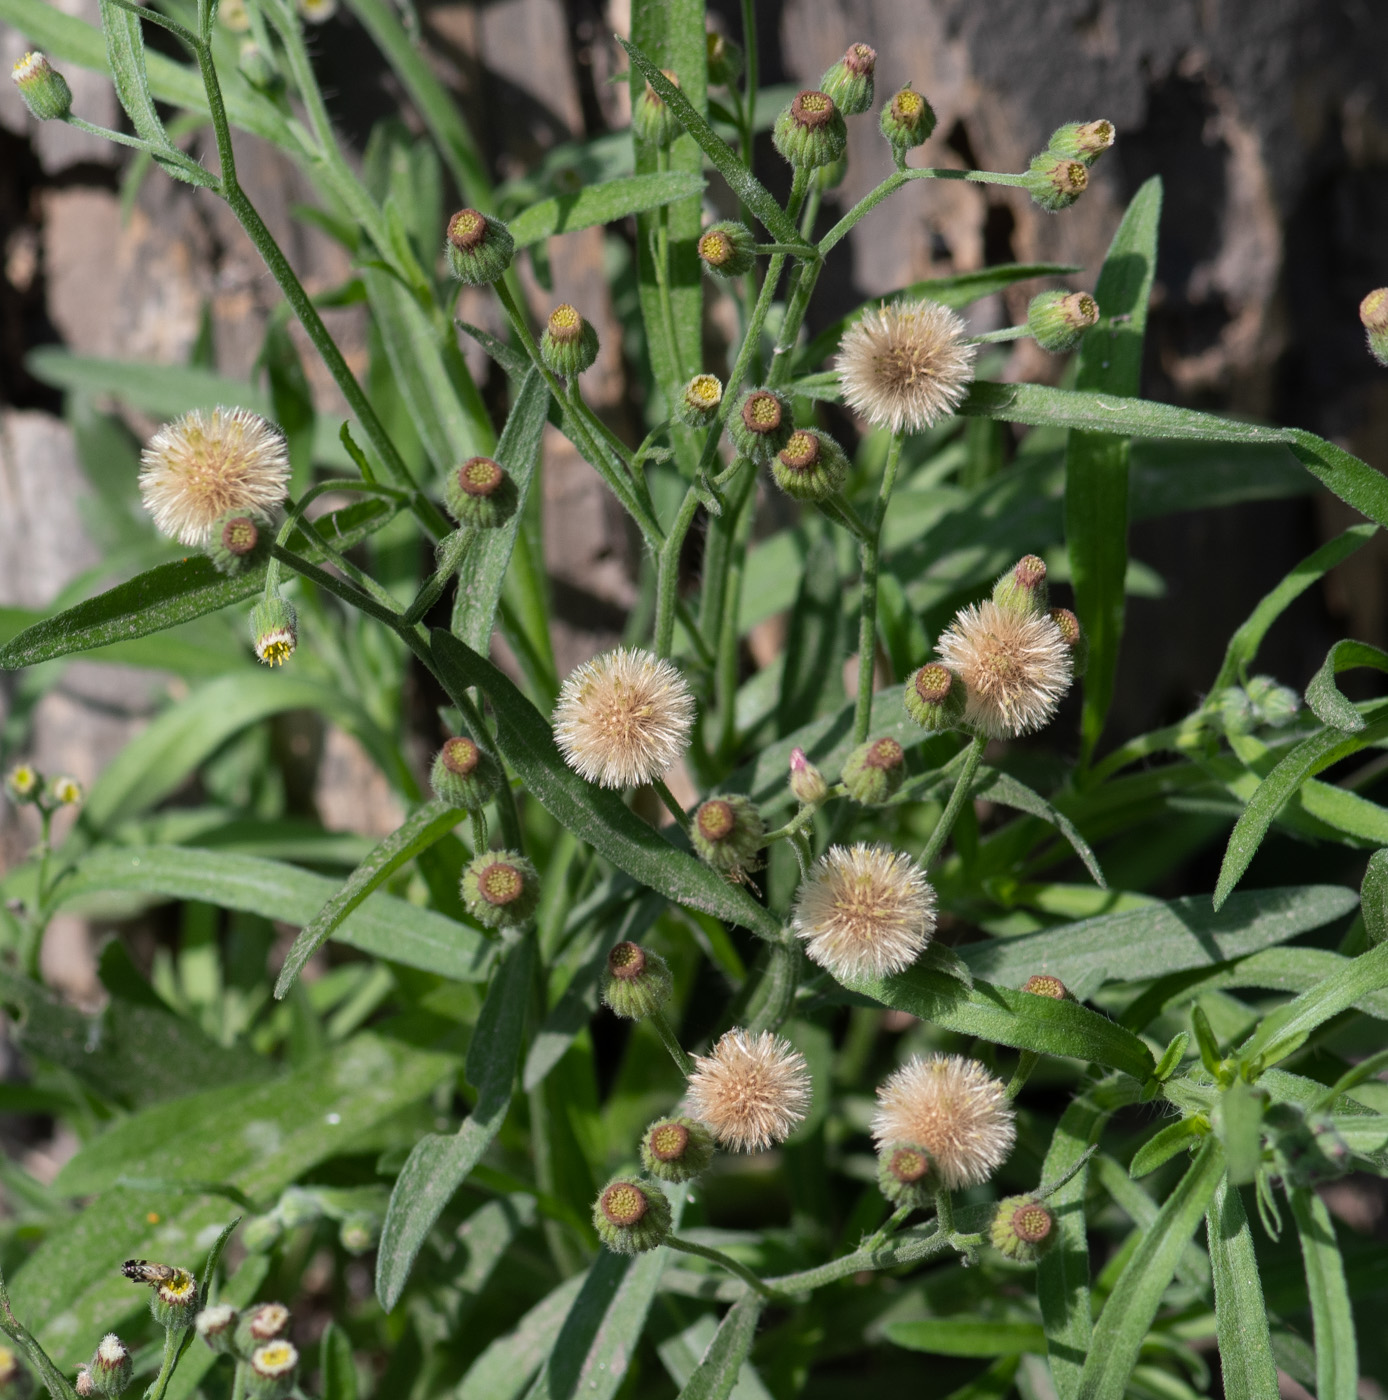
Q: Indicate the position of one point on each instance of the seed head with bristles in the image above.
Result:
(624, 718)
(196, 470)
(750, 1089)
(865, 911)
(954, 1109)
(1015, 666)
(906, 365)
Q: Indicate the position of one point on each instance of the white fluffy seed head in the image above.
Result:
(112, 1351)
(624, 718)
(906, 365)
(1015, 667)
(954, 1109)
(751, 1090)
(865, 911)
(206, 464)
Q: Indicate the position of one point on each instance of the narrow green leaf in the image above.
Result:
(1373, 898)
(336, 1369)
(1131, 1308)
(1006, 1017)
(1323, 695)
(1096, 462)
(718, 1370)
(384, 926)
(125, 50)
(1241, 1323)
(439, 1165)
(602, 204)
(170, 594)
(1163, 1146)
(417, 833)
(1002, 787)
(1238, 1120)
(1308, 758)
(504, 1369)
(967, 1336)
(596, 815)
(1332, 1316)
(1244, 644)
(1161, 938)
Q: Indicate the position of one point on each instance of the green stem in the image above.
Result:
(451, 552)
(842, 513)
(869, 550)
(668, 573)
(944, 1211)
(479, 831)
(238, 1384)
(661, 1022)
(723, 1260)
(802, 818)
(671, 803)
(996, 337)
(1025, 1065)
(729, 631)
(810, 213)
(892, 1225)
(916, 1245)
(799, 188)
(172, 1338)
(957, 798)
(662, 275)
(45, 852)
(198, 175)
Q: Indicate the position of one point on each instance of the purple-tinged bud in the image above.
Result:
(807, 783)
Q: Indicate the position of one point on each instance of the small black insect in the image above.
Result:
(142, 1271)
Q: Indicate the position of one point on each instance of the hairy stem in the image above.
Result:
(661, 1022)
(723, 1260)
(957, 798)
(869, 550)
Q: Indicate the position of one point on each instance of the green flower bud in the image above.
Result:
(676, 1149)
(1022, 589)
(1056, 182)
(174, 1302)
(359, 1232)
(724, 59)
(1234, 710)
(1083, 141)
(274, 630)
(261, 1233)
(652, 120)
(236, 543)
(1057, 321)
(934, 697)
(217, 1327)
(1073, 635)
(727, 249)
(811, 466)
(831, 176)
(810, 132)
(873, 771)
(631, 1216)
(637, 982)
(271, 1371)
(479, 249)
(1273, 704)
(480, 494)
(462, 775)
(569, 344)
(700, 401)
(1373, 312)
(726, 833)
(298, 1207)
(111, 1367)
(904, 1175)
(260, 1323)
(907, 121)
(500, 889)
(761, 425)
(807, 783)
(1023, 1228)
(44, 90)
(849, 81)
(24, 783)
(1042, 984)
(258, 68)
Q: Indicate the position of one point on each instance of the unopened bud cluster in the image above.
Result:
(357, 1211)
(255, 1337)
(1060, 174)
(26, 786)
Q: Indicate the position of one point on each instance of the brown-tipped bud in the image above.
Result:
(631, 1216)
(849, 81)
(479, 248)
(935, 697)
(676, 1149)
(570, 344)
(761, 425)
(1373, 312)
(480, 494)
(728, 249)
(810, 132)
(500, 889)
(904, 1175)
(1022, 589)
(726, 833)
(873, 771)
(234, 542)
(111, 1368)
(637, 982)
(462, 775)
(1072, 634)
(907, 121)
(1055, 182)
(807, 783)
(1023, 1228)
(1042, 984)
(1083, 141)
(217, 1327)
(651, 119)
(1057, 321)
(811, 466)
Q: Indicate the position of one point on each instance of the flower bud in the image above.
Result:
(631, 1216)
(1235, 710)
(480, 494)
(1083, 141)
(500, 889)
(1273, 704)
(65, 790)
(849, 81)
(1022, 589)
(84, 1385)
(1023, 1228)
(110, 1369)
(24, 783)
(462, 775)
(297, 1207)
(726, 833)
(727, 249)
(699, 403)
(174, 1303)
(44, 90)
(217, 1327)
(652, 120)
(274, 630)
(233, 15)
(258, 68)
(810, 132)
(811, 466)
(935, 697)
(569, 344)
(907, 121)
(724, 59)
(1073, 635)
(637, 982)
(873, 771)
(807, 783)
(761, 425)
(234, 542)
(904, 1175)
(272, 1371)
(12, 1377)
(676, 1149)
(1043, 984)
(359, 1232)
(1373, 312)
(264, 1322)
(479, 248)
(261, 1233)
(1055, 182)
(1057, 321)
